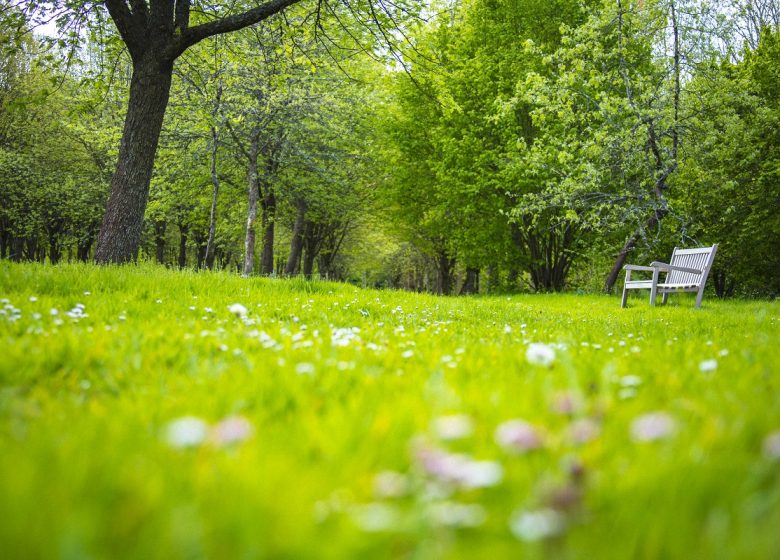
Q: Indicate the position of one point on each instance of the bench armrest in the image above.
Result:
(637, 267)
(670, 267)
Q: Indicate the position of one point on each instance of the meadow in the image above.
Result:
(148, 413)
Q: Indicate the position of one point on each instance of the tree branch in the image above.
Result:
(235, 22)
(128, 25)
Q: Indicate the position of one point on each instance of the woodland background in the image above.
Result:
(477, 146)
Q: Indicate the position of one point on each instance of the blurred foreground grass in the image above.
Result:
(141, 418)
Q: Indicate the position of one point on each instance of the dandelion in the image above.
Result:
(708, 366)
(536, 525)
(187, 431)
(453, 427)
(652, 427)
(407, 354)
(772, 445)
(540, 354)
(518, 436)
(33, 299)
(236, 309)
(233, 429)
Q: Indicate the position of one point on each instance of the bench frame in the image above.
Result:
(687, 271)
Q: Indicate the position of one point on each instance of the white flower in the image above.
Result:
(375, 517)
(453, 514)
(237, 309)
(652, 427)
(304, 368)
(537, 525)
(390, 484)
(540, 354)
(630, 381)
(187, 431)
(480, 474)
(33, 299)
(708, 365)
(518, 436)
(772, 445)
(459, 469)
(453, 427)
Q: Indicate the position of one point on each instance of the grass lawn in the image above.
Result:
(142, 417)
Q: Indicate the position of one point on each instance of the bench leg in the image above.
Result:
(699, 296)
(654, 287)
(625, 296)
(664, 297)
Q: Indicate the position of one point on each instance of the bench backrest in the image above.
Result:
(700, 259)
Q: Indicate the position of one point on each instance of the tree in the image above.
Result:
(156, 33)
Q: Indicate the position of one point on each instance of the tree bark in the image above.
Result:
(471, 284)
(269, 225)
(184, 230)
(296, 243)
(444, 270)
(214, 195)
(120, 233)
(159, 240)
(254, 195)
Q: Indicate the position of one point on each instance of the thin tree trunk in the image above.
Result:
(214, 195)
(254, 195)
(310, 249)
(120, 233)
(269, 224)
(159, 240)
(184, 230)
(296, 243)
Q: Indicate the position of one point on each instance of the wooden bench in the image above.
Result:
(686, 272)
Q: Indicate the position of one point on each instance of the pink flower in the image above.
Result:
(584, 430)
(233, 429)
(518, 436)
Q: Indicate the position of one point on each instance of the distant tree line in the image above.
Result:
(512, 145)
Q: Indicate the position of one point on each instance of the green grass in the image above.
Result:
(88, 470)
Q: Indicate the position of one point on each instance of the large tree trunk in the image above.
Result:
(269, 221)
(120, 234)
(296, 243)
(444, 270)
(471, 284)
(254, 195)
